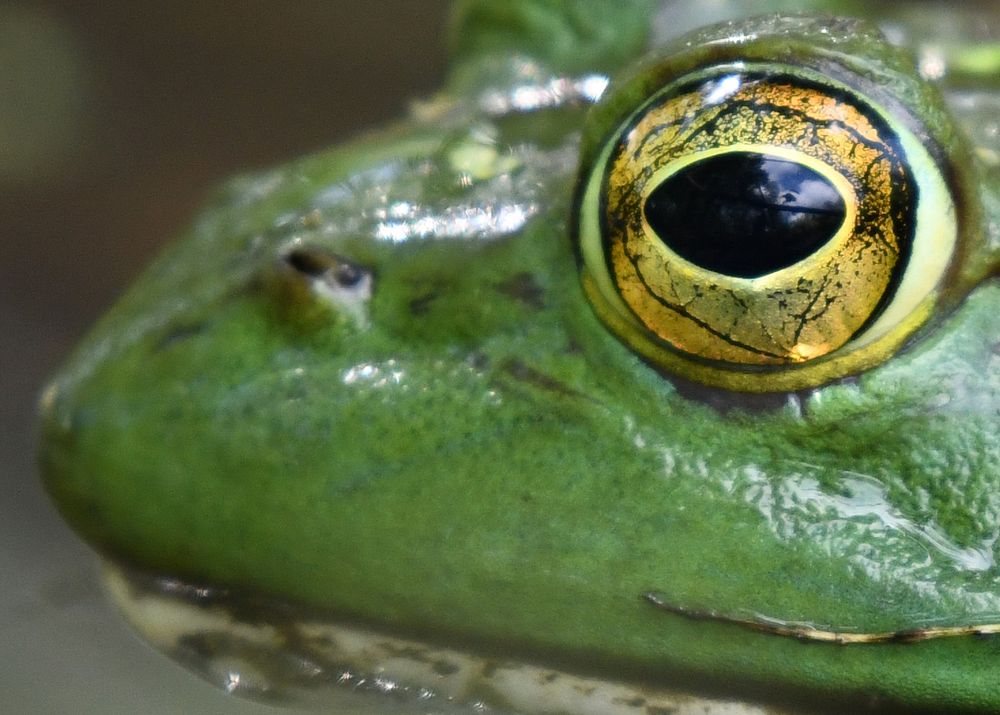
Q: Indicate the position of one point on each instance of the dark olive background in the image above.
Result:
(116, 117)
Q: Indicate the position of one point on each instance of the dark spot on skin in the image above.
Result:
(479, 360)
(550, 677)
(909, 635)
(490, 669)
(726, 401)
(320, 640)
(178, 334)
(443, 667)
(524, 288)
(656, 710)
(573, 348)
(995, 349)
(635, 702)
(194, 648)
(421, 304)
(524, 373)
(420, 655)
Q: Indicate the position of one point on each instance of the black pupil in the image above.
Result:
(745, 214)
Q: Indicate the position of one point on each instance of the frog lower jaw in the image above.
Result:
(269, 654)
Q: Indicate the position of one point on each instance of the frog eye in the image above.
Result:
(764, 228)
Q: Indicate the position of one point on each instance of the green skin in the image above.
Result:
(506, 474)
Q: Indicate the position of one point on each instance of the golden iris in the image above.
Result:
(756, 221)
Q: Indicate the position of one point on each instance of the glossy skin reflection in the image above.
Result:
(400, 383)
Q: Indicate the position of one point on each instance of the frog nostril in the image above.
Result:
(348, 275)
(326, 266)
(308, 263)
(336, 281)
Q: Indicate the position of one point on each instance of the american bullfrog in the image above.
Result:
(651, 366)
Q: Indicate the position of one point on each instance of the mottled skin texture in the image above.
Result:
(477, 460)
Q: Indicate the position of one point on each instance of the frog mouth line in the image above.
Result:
(811, 633)
(344, 668)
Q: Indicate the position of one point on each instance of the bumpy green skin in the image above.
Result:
(485, 464)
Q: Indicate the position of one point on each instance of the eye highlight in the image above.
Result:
(754, 228)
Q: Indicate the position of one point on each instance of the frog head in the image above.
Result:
(475, 380)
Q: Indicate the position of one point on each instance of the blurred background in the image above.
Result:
(116, 118)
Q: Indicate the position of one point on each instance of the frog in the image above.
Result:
(514, 405)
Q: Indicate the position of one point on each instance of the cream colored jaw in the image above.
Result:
(351, 670)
